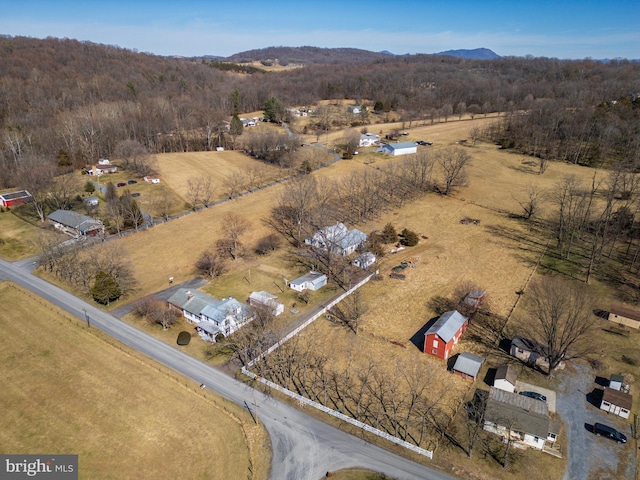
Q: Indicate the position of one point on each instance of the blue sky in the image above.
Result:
(561, 29)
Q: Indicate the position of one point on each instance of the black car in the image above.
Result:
(132, 182)
(535, 396)
(605, 431)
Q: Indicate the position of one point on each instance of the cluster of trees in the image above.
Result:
(104, 271)
(596, 224)
(156, 311)
(122, 211)
(402, 399)
(70, 102)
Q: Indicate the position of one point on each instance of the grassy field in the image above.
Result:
(499, 254)
(67, 390)
(18, 239)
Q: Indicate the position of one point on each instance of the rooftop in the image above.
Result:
(469, 364)
(447, 325)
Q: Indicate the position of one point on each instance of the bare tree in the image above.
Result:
(349, 312)
(560, 317)
(531, 204)
(234, 225)
(210, 264)
(453, 162)
(135, 158)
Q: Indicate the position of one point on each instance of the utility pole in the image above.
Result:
(86, 316)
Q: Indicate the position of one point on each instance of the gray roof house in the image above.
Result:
(365, 260)
(524, 419)
(191, 302)
(368, 139)
(223, 317)
(338, 239)
(468, 365)
(310, 281)
(76, 224)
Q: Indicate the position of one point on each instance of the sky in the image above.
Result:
(572, 29)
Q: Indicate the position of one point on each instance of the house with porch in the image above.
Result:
(223, 317)
(444, 334)
(338, 239)
(75, 224)
(522, 419)
(190, 303)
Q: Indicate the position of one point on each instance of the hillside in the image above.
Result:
(475, 54)
(307, 55)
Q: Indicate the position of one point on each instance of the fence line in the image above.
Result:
(306, 401)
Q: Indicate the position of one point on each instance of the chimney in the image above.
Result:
(189, 295)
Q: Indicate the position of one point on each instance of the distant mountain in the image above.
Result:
(475, 54)
(306, 55)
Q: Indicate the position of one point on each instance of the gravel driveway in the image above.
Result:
(591, 457)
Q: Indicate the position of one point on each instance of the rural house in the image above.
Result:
(365, 260)
(402, 148)
(368, 140)
(103, 167)
(338, 239)
(443, 335)
(311, 281)
(190, 303)
(505, 378)
(529, 352)
(211, 316)
(13, 199)
(468, 365)
(616, 402)
(266, 299)
(223, 317)
(75, 224)
(624, 316)
(525, 420)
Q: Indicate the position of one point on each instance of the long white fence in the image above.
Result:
(305, 401)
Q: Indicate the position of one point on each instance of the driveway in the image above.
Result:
(529, 387)
(589, 456)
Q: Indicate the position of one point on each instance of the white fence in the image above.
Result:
(305, 401)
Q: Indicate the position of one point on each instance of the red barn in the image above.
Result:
(14, 198)
(443, 335)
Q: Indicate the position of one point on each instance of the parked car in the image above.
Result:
(132, 182)
(121, 184)
(535, 396)
(135, 194)
(423, 143)
(605, 431)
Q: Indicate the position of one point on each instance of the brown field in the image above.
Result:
(18, 238)
(177, 168)
(499, 254)
(68, 390)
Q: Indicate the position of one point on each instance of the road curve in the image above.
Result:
(304, 448)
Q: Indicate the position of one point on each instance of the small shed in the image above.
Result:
(505, 378)
(266, 299)
(616, 402)
(13, 199)
(468, 365)
(624, 316)
(311, 281)
(473, 300)
(615, 382)
(91, 201)
(365, 260)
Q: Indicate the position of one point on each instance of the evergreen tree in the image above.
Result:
(89, 187)
(105, 288)
(409, 238)
(273, 110)
(389, 234)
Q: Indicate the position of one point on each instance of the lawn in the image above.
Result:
(18, 238)
(70, 390)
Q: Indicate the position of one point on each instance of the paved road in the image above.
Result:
(303, 448)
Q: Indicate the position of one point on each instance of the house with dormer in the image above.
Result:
(338, 239)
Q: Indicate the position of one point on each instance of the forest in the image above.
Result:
(66, 103)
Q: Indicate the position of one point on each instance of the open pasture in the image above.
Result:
(67, 390)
